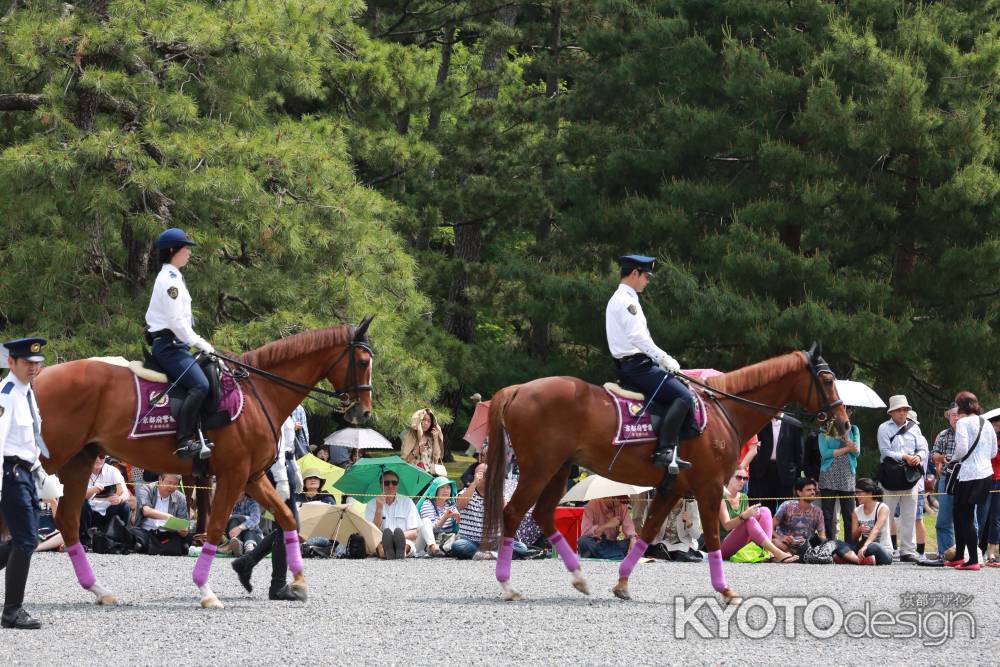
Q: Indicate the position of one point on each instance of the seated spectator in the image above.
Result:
(49, 537)
(312, 489)
(799, 523)
(106, 498)
(470, 473)
(243, 527)
(437, 505)
(423, 442)
(605, 520)
(322, 453)
(352, 457)
(743, 523)
(472, 508)
(404, 533)
(680, 534)
(870, 543)
(157, 503)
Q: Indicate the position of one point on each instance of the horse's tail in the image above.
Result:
(496, 465)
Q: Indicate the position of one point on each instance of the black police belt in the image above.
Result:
(162, 333)
(632, 357)
(16, 461)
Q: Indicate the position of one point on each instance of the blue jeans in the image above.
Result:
(945, 523)
(464, 549)
(988, 515)
(592, 547)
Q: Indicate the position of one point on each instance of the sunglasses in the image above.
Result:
(742, 478)
(390, 482)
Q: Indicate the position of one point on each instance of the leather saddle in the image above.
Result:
(656, 410)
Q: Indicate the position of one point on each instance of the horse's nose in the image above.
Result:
(365, 416)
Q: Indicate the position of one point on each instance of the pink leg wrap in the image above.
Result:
(503, 559)
(81, 566)
(204, 565)
(715, 567)
(569, 558)
(293, 553)
(634, 554)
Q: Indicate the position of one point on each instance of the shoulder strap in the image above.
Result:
(975, 442)
(903, 429)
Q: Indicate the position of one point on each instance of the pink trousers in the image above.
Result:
(756, 529)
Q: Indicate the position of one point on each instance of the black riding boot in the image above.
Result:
(14, 616)
(665, 454)
(245, 564)
(5, 553)
(187, 446)
(280, 590)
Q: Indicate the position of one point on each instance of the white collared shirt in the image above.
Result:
(170, 307)
(626, 328)
(17, 431)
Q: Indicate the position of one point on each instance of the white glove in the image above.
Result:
(206, 347)
(283, 490)
(51, 489)
(297, 484)
(669, 364)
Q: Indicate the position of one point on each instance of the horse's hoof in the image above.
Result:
(731, 597)
(621, 592)
(580, 584)
(211, 603)
(107, 600)
(512, 596)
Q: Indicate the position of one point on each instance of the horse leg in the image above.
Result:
(658, 510)
(545, 516)
(264, 493)
(709, 500)
(227, 492)
(526, 495)
(74, 476)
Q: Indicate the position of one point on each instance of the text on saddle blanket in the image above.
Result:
(154, 420)
(633, 427)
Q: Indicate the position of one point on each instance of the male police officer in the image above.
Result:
(641, 363)
(20, 446)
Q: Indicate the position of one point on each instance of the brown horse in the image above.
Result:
(553, 421)
(88, 407)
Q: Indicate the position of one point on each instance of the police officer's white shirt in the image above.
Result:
(170, 307)
(626, 327)
(286, 445)
(17, 433)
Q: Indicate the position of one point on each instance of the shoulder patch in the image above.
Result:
(632, 309)
(172, 274)
(172, 292)
(7, 388)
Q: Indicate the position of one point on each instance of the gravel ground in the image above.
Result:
(420, 611)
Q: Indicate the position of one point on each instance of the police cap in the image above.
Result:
(640, 262)
(29, 349)
(173, 238)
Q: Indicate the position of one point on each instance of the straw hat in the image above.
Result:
(898, 401)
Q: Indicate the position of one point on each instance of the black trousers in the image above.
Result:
(966, 535)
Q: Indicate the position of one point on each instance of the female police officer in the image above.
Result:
(169, 322)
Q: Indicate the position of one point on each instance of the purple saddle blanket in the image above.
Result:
(633, 427)
(153, 420)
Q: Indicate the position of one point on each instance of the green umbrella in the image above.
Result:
(364, 479)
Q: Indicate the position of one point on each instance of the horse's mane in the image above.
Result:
(298, 344)
(757, 375)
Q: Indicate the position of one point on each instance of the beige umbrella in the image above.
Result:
(596, 486)
(337, 522)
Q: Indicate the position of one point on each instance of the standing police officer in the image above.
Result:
(170, 325)
(20, 446)
(641, 363)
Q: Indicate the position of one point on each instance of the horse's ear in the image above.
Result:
(815, 351)
(361, 333)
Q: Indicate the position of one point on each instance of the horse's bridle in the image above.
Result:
(816, 366)
(307, 390)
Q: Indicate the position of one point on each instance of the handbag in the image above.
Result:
(952, 482)
(895, 475)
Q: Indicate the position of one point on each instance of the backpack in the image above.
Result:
(820, 555)
(356, 546)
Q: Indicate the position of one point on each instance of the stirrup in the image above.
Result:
(205, 446)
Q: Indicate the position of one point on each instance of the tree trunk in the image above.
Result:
(540, 341)
(444, 68)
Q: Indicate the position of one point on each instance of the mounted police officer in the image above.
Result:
(170, 325)
(21, 445)
(644, 365)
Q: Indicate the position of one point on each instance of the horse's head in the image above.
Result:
(824, 399)
(354, 375)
